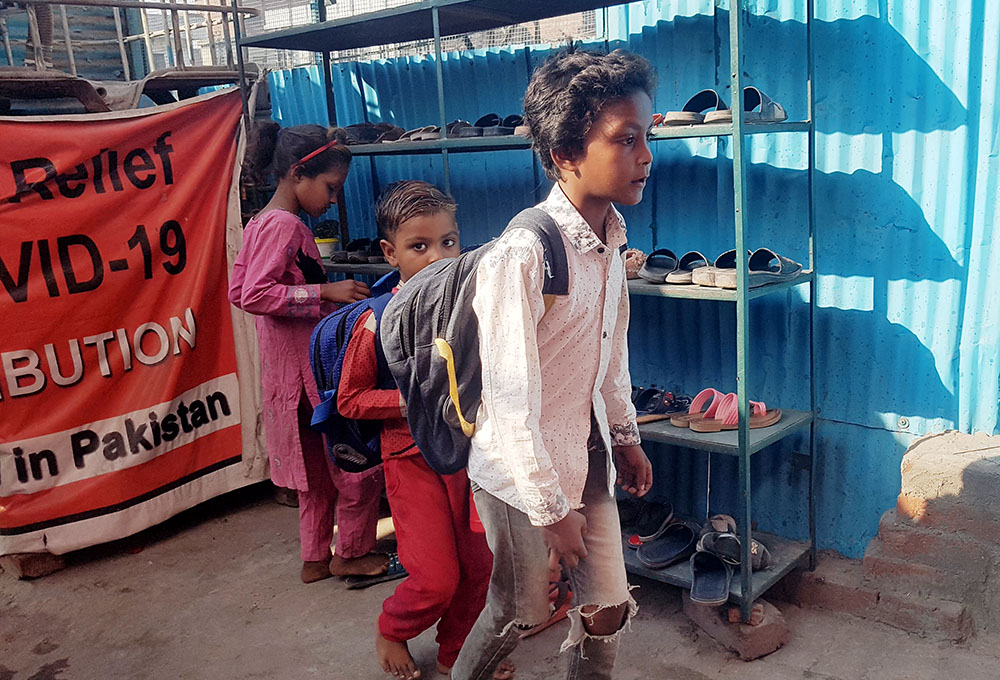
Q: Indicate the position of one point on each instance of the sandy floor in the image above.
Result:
(215, 594)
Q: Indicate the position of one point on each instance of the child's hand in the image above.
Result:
(564, 539)
(635, 474)
(344, 291)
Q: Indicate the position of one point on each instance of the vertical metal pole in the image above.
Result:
(187, 33)
(331, 113)
(178, 44)
(327, 66)
(121, 43)
(815, 280)
(241, 69)
(439, 71)
(147, 40)
(36, 39)
(742, 301)
(69, 41)
(210, 24)
(228, 38)
(6, 41)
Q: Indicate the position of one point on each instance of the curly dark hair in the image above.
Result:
(273, 149)
(406, 199)
(568, 91)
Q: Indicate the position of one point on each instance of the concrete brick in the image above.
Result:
(925, 616)
(950, 515)
(31, 565)
(837, 584)
(750, 642)
(951, 552)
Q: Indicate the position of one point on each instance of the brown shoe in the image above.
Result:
(372, 564)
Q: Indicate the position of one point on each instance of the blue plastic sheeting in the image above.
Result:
(907, 335)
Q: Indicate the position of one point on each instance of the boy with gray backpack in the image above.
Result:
(556, 419)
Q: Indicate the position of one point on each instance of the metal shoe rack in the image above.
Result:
(434, 18)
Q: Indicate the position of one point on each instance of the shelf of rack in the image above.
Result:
(726, 442)
(515, 142)
(414, 21)
(786, 555)
(725, 129)
(454, 145)
(372, 269)
(671, 290)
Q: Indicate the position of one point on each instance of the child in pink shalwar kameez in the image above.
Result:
(278, 276)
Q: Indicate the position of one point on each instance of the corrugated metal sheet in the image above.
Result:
(908, 113)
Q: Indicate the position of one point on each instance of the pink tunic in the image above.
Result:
(268, 282)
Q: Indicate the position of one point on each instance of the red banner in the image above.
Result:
(119, 400)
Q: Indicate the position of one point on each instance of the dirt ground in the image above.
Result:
(214, 593)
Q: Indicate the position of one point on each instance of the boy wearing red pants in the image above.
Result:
(448, 563)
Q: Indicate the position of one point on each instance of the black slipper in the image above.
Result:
(676, 544)
(710, 578)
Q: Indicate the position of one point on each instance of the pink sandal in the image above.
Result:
(726, 415)
(709, 397)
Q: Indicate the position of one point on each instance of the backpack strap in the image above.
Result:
(384, 378)
(556, 270)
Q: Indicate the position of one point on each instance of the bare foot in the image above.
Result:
(315, 571)
(371, 564)
(394, 658)
(505, 671)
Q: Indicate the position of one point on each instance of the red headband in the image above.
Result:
(310, 156)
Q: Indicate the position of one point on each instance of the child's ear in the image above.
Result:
(564, 160)
(389, 250)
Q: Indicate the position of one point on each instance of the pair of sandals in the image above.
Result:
(713, 411)
(673, 541)
(372, 133)
(708, 107)
(652, 404)
(491, 125)
(360, 251)
(644, 520)
(765, 266)
(717, 552)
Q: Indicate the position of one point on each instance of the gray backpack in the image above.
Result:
(430, 336)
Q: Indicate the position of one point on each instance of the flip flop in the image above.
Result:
(727, 546)
(658, 265)
(693, 111)
(706, 276)
(662, 406)
(709, 397)
(455, 127)
(654, 518)
(677, 543)
(478, 129)
(710, 578)
(411, 135)
(430, 133)
(757, 108)
(688, 263)
(765, 266)
(395, 571)
(726, 416)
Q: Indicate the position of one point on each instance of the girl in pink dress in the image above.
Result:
(278, 276)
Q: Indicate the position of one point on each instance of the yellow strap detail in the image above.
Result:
(444, 349)
(549, 301)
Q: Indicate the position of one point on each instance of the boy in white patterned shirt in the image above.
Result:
(556, 386)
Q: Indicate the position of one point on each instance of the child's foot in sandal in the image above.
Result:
(372, 564)
(315, 571)
(394, 657)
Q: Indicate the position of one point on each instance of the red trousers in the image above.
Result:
(448, 561)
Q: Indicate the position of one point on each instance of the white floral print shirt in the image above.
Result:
(544, 373)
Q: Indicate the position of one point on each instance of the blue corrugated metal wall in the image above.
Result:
(908, 112)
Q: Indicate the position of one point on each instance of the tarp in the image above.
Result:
(119, 396)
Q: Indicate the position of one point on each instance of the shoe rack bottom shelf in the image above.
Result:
(785, 556)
